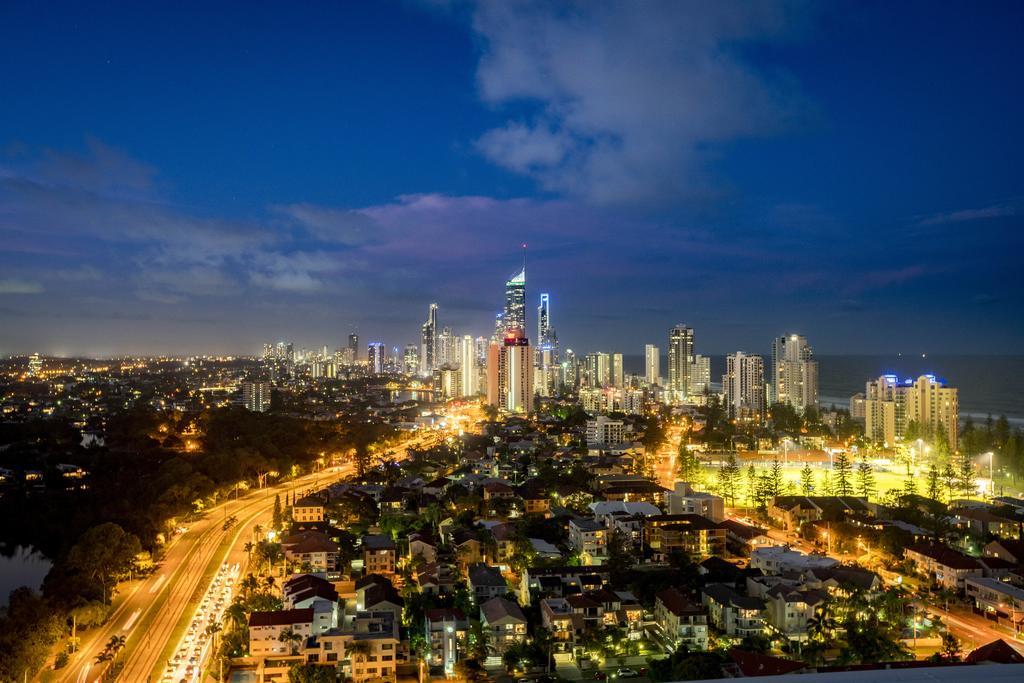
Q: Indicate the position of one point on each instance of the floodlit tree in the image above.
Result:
(806, 480)
(728, 479)
(865, 479)
(843, 475)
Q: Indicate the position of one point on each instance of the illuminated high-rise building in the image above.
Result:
(598, 369)
(411, 359)
(700, 375)
(616, 371)
(543, 318)
(794, 372)
(652, 364)
(446, 348)
(35, 365)
(680, 357)
(256, 396)
(890, 406)
(743, 386)
(428, 341)
(468, 367)
(376, 356)
(353, 345)
(514, 315)
(510, 374)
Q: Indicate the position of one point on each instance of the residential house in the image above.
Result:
(486, 582)
(311, 550)
(997, 600)
(732, 613)
(743, 539)
(423, 545)
(684, 500)
(1011, 550)
(503, 622)
(789, 611)
(446, 631)
(559, 581)
(379, 554)
(279, 632)
(308, 509)
(777, 559)
(694, 535)
(942, 565)
(684, 623)
(590, 539)
(790, 512)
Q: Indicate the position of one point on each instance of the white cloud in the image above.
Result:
(18, 286)
(629, 100)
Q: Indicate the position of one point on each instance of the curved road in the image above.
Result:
(152, 610)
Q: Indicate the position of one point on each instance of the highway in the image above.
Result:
(151, 611)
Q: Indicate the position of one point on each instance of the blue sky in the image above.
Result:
(182, 178)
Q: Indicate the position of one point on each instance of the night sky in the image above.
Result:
(184, 178)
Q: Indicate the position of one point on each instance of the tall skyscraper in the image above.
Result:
(652, 364)
(743, 386)
(543, 319)
(794, 372)
(376, 356)
(445, 349)
(515, 302)
(468, 366)
(616, 371)
(428, 341)
(353, 345)
(256, 396)
(411, 359)
(680, 357)
(598, 369)
(700, 375)
(510, 373)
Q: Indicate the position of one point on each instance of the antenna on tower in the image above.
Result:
(524, 257)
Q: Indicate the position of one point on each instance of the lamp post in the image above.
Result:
(991, 472)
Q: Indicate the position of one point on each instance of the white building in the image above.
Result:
(603, 431)
(652, 364)
(794, 372)
(743, 386)
(467, 366)
(777, 559)
(684, 500)
(256, 396)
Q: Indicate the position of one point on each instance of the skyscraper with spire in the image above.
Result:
(428, 342)
(515, 302)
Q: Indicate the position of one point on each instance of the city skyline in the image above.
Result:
(370, 160)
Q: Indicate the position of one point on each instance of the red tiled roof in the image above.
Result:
(998, 651)
(754, 664)
(284, 617)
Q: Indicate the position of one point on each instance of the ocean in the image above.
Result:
(987, 384)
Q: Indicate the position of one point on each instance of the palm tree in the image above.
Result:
(291, 638)
(821, 626)
(248, 551)
(237, 614)
(358, 647)
(115, 645)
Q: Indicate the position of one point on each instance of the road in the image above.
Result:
(974, 630)
(151, 611)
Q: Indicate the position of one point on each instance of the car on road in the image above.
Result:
(626, 672)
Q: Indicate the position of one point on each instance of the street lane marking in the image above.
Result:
(157, 584)
(131, 620)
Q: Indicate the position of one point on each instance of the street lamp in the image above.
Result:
(991, 472)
